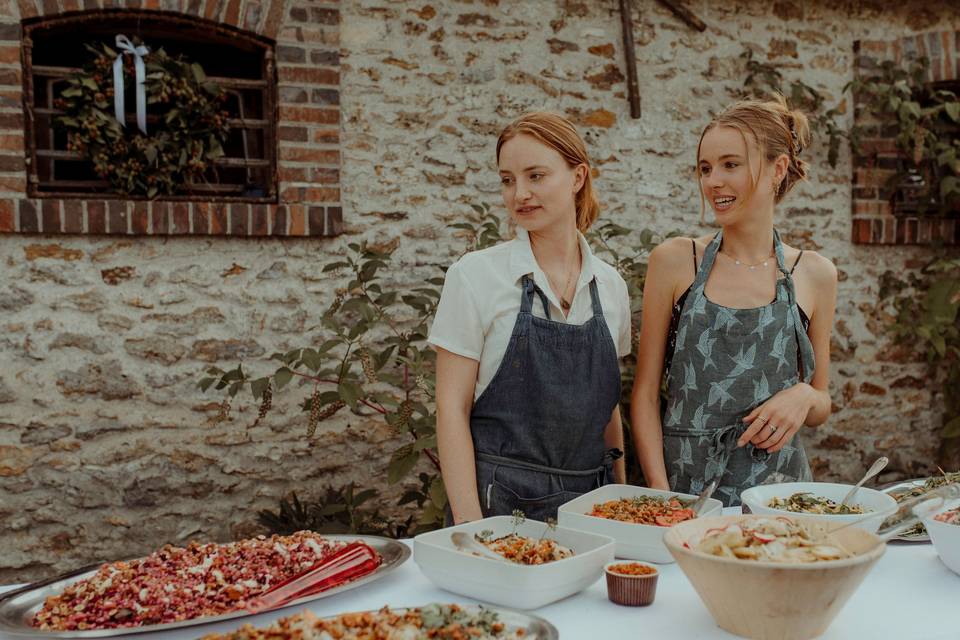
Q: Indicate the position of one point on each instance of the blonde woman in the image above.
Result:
(528, 336)
(739, 322)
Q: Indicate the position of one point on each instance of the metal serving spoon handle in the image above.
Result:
(874, 469)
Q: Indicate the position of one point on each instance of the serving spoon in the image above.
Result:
(466, 542)
(701, 500)
(874, 469)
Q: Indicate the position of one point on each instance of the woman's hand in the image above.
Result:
(774, 423)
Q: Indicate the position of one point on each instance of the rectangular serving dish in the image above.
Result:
(506, 583)
(634, 541)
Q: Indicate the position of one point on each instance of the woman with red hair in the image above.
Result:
(528, 336)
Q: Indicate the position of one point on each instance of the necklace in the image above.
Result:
(765, 262)
(564, 303)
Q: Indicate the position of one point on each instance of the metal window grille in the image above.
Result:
(240, 63)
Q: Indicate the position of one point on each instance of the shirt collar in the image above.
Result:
(522, 261)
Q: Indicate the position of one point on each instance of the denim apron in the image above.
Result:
(727, 362)
(538, 427)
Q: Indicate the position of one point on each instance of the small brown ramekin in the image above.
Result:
(631, 591)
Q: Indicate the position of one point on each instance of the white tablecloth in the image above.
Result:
(909, 595)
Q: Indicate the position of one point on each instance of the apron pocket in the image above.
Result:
(504, 501)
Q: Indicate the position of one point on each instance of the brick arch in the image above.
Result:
(261, 17)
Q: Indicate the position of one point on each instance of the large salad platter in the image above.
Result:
(18, 608)
(440, 621)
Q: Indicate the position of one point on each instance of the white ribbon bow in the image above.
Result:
(125, 46)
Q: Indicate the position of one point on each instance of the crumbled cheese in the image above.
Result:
(282, 550)
(314, 546)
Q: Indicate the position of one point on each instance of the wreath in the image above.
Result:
(186, 135)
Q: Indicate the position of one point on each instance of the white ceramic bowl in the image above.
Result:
(769, 600)
(878, 504)
(506, 583)
(946, 538)
(634, 541)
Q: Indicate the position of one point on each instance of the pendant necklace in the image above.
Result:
(564, 303)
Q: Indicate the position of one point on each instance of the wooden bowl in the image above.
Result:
(768, 600)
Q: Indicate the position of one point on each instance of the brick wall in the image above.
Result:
(306, 36)
(877, 219)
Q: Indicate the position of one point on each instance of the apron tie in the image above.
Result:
(723, 444)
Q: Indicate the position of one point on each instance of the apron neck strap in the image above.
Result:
(709, 256)
(595, 298)
(778, 251)
(528, 288)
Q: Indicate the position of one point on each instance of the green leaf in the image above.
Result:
(952, 109)
(438, 492)
(401, 464)
(282, 377)
(311, 359)
(350, 392)
(205, 383)
(89, 83)
(333, 266)
(258, 386)
(948, 185)
(429, 442)
(363, 496)
(941, 300)
(198, 73)
(233, 375)
(952, 428)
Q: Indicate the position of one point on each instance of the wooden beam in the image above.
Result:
(633, 85)
(684, 14)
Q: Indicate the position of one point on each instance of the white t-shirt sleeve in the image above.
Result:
(624, 342)
(457, 326)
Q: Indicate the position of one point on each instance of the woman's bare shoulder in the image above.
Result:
(678, 249)
(813, 265)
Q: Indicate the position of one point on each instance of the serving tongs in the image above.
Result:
(355, 560)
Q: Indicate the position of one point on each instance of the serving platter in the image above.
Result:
(914, 534)
(533, 627)
(18, 607)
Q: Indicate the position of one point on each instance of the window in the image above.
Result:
(242, 64)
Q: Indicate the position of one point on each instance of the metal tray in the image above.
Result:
(906, 485)
(534, 627)
(19, 606)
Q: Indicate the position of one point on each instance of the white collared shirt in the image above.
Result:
(481, 300)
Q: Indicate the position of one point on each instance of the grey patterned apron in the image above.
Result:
(726, 362)
(538, 426)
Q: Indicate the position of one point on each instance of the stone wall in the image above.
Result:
(105, 448)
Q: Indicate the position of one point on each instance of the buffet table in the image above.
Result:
(909, 595)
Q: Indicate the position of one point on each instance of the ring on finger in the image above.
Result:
(773, 429)
(762, 419)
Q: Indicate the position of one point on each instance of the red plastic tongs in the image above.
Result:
(353, 561)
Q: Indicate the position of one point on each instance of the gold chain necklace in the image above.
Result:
(765, 262)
